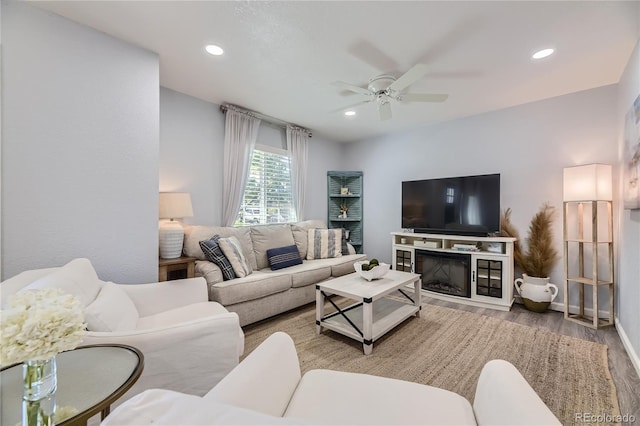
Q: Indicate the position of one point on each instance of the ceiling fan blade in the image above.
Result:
(372, 55)
(352, 88)
(409, 77)
(351, 106)
(423, 97)
(384, 108)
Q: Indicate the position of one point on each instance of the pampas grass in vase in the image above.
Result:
(540, 255)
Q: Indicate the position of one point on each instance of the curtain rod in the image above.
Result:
(261, 116)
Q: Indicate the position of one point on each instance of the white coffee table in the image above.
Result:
(374, 314)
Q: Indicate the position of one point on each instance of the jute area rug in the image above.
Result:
(447, 348)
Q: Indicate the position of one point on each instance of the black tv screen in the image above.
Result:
(467, 205)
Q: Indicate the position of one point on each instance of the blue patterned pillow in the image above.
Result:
(214, 254)
(283, 257)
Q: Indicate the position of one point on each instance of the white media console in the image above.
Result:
(471, 270)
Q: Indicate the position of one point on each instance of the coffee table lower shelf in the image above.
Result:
(387, 313)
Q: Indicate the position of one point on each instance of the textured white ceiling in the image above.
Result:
(280, 57)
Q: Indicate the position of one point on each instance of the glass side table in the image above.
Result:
(90, 379)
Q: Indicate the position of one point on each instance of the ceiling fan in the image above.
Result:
(384, 88)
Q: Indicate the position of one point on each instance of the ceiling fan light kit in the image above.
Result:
(383, 88)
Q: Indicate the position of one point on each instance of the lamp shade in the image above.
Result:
(591, 182)
(175, 205)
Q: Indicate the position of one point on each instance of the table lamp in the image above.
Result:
(172, 206)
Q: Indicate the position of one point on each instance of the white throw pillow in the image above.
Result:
(233, 251)
(77, 278)
(324, 243)
(113, 310)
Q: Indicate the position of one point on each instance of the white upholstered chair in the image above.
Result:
(188, 342)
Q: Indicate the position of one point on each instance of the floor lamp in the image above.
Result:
(588, 234)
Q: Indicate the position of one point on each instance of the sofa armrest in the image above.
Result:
(188, 357)
(265, 380)
(154, 298)
(503, 397)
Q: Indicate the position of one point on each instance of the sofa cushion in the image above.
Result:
(77, 278)
(214, 254)
(257, 285)
(193, 234)
(112, 310)
(361, 399)
(283, 257)
(324, 243)
(300, 233)
(266, 237)
(233, 251)
(310, 272)
(181, 315)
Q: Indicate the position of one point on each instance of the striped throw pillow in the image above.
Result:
(214, 254)
(324, 243)
(233, 251)
(283, 257)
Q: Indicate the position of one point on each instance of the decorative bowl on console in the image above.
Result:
(374, 273)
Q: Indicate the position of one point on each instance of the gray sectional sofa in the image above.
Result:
(264, 292)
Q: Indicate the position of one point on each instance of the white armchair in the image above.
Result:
(188, 342)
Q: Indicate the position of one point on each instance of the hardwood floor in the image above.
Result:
(624, 375)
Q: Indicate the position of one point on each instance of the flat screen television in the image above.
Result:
(466, 205)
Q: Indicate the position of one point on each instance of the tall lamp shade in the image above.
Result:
(591, 182)
(172, 206)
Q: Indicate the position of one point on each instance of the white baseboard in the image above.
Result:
(633, 356)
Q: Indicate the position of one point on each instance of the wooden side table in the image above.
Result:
(166, 266)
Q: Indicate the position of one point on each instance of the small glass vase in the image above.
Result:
(39, 395)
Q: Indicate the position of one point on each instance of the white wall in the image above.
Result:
(628, 288)
(191, 147)
(80, 148)
(528, 145)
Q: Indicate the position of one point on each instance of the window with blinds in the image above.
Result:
(268, 195)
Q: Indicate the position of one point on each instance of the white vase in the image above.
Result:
(39, 394)
(536, 293)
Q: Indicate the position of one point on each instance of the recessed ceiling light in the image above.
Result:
(349, 113)
(214, 50)
(542, 53)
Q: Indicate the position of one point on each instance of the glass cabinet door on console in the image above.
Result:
(403, 261)
(488, 276)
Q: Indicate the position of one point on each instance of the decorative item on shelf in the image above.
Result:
(344, 191)
(38, 325)
(371, 270)
(537, 261)
(343, 210)
(172, 206)
(347, 234)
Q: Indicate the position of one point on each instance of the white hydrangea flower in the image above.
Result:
(40, 324)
